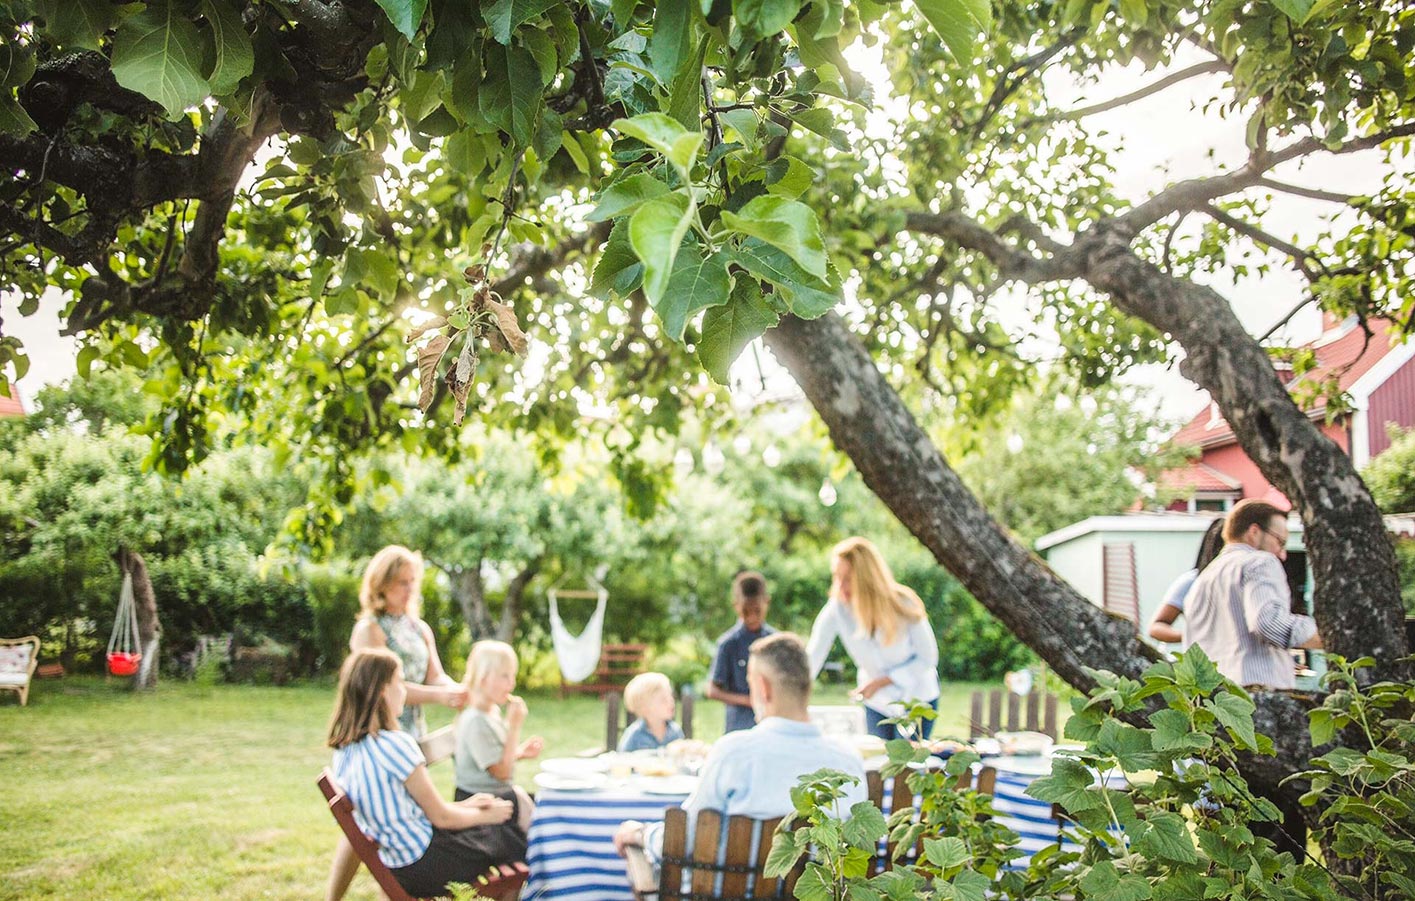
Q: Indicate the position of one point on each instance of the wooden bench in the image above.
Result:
(902, 797)
(504, 882)
(18, 659)
(616, 713)
(1039, 714)
(739, 870)
(618, 663)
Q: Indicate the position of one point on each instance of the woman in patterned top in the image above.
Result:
(425, 841)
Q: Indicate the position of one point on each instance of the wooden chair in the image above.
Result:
(1039, 714)
(739, 870)
(618, 663)
(18, 659)
(902, 798)
(504, 882)
(615, 712)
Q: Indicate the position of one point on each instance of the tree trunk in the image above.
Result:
(1357, 600)
(149, 630)
(869, 422)
(470, 593)
(511, 610)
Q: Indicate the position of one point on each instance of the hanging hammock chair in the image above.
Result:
(123, 653)
(578, 655)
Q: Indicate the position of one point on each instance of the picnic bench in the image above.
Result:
(618, 663)
(1039, 714)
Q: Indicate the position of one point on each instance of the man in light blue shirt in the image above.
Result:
(751, 773)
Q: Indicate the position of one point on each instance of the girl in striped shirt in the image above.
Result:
(425, 840)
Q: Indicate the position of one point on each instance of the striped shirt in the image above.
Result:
(373, 771)
(1239, 611)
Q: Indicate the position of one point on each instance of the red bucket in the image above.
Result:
(123, 663)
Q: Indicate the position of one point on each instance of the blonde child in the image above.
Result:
(649, 696)
(425, 841)
(488, 744)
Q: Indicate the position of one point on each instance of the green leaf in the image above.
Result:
(372, 271)
(805, 295)
(958, 23)
(763, 18)
(671, 44)
(970, 885)
(77, 23)
(625, 196)
(815, 884)
(832, 18)
(788, 225)
(793, 179)
(13, 118)
(783, 854)
(729, 328)
(84, 363)
(1068, 785)
(685, 92)
(235, 59)
(946, 853)
(696, 284)
(504, 16)
(158, 53)
(1296, 10)
(1236, 714)
(866, 825)
(1172, 732)
(1195, 672)
(666, 135)
(1105, 883)
(406, 15)
(618, 270)
(1164, 836)
(656, 230)
(744, 122)
(510, 96)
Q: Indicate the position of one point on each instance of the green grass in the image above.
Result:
(207, 792)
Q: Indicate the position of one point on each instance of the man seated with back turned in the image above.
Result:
(751, 773)
(1239, 610)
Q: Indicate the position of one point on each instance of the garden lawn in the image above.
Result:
(208, 792)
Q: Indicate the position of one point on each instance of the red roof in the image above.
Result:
(1343, 353)
(12, 405)
(1199, 477)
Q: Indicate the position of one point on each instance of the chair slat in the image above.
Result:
(986, 780)
(1033, 721)
(766, 886)
(1049, 718)
(976, 726)
(675, 848)
(1014, 722)
(705, 841)
(738, 855)
(994, 712)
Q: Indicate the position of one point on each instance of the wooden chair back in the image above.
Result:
(901, 798)
(721, 864)
(505, 883)
(618, 663)
(1038, 714)
(615, 714)
(19, 681)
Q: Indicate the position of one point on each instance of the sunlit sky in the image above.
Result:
(1163, 138)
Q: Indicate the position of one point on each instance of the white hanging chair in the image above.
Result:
(578, 655)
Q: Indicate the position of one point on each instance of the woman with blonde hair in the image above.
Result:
(885, 631)
(388, 618)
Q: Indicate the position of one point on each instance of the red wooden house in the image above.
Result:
(12, 405)
(1378, 378)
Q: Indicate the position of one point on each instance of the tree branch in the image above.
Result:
(1011, 261)
(1309, 193)
(1168, 81)
(1299, 256)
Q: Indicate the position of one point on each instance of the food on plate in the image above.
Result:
(1029, 743)
(655, 766)
(946, 747)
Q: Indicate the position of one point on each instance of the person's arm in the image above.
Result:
(450, 816)
(455, 695)
(1267, 608)
(923, 657)
(1162, 626)
(823, 634)
(722, 676)
(505, 768)
(367, 634)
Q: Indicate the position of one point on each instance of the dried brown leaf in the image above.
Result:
(509, 327)
(429, 355)
(459, 393)
(426, 327)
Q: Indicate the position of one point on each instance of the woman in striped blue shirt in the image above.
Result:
(425, 840)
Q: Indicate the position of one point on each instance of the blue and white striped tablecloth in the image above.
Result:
(570, 848)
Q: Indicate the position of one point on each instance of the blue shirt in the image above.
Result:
(1178, 590)
(729, 671)
(638, 737)
(751, 774)
(372, 772)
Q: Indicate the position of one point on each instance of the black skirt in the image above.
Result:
(463, 855)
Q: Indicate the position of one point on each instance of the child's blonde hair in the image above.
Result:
(642, 688)
(486, 655)
(359, 707)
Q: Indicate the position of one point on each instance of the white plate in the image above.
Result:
(1022, 764)
(574, 766)
(667, 785)
(578, 783)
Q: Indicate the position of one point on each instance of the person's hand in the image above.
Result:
(867, 691)
(494, 812)
(531, 747)
(629, 834)
(480, 799)
(457, 697)
(515, 711)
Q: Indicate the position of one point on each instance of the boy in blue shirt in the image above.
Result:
(729, 665)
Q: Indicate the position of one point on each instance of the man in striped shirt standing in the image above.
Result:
(1240, 608)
